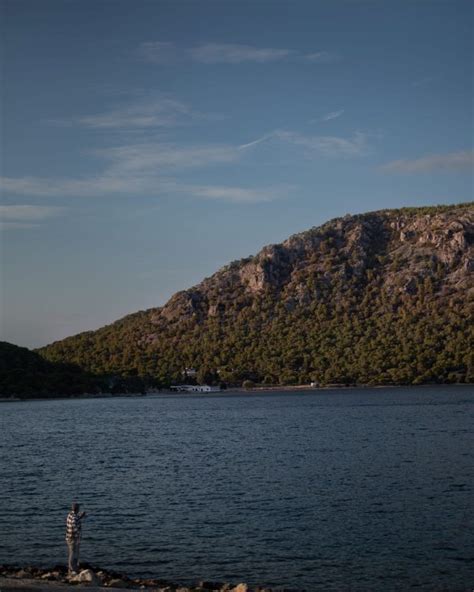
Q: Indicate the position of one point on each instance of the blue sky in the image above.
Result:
(146, 144)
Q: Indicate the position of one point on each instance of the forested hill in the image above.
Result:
(378, 298)
(24, 373)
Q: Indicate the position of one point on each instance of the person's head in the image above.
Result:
(75, 507)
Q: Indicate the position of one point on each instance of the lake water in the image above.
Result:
(361, 490)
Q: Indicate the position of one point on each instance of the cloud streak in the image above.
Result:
(146, 113)
(257, 141)
(16, 225)
(139, 169)
(228, 53)
(159, 52)
(20, 213)
(153, 186)
(332, 115)
(131, 169)
(23, 216)
(334, 146)
(150, 169)
(453, 161)
(14, 217)
(104, 185)
(321, 57)
(157, 156)
(235, 194)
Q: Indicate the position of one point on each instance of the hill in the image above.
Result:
(377, 298)
(24, 373)
(27, 375)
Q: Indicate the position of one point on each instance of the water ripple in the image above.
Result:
(343, 490)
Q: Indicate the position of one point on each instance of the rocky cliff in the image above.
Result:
(384, 297)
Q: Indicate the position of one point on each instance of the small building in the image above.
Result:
(195, 388)
(189, 372)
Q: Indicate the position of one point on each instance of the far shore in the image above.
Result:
(235, 390)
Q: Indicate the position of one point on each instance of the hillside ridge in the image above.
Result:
(335, 292)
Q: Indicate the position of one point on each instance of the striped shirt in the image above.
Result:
(73, 526)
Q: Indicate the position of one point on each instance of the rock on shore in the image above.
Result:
(56, 579)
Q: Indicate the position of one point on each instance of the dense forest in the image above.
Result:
(25, 374)
(378, 298)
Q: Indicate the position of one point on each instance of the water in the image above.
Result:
(361, 490)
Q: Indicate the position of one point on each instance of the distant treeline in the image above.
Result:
(25, 374)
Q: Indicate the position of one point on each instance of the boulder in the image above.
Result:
(86, 576)
(240, 588)
(22, 573)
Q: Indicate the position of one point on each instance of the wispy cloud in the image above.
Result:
(236, 194)
(26, 216)
(157, 156)
(228, 53)
(355, 145)
(332, 115)
(152, 168)
(154, 114)
(147, 112)
(434, 162)
(321, 57)
(13, 217)
(137, 169)
(16, 225)
(159, 52)
(148, 185)
(96, 186)
(21, 213)
(130, 169)
(257, 141)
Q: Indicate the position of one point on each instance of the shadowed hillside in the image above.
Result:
(24, 373)
(377, 298)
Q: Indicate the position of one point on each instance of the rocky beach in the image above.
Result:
(56, 579)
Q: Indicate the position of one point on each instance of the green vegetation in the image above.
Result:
(379, 298)
(24, 373)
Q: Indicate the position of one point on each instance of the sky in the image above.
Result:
(145, 144)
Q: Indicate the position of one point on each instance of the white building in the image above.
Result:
(195, 388)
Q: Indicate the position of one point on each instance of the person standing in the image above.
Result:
(73, 536)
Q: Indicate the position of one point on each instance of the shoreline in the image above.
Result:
(236, 390)
(56, 579)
